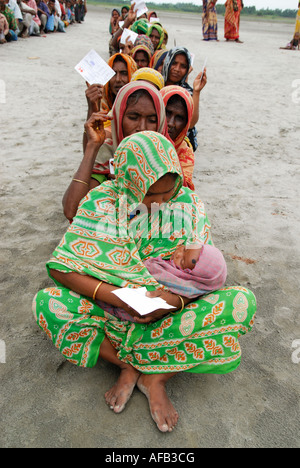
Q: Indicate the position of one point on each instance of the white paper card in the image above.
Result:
(140, 7)
(136, 298)
(154, 20)
(128, 33)
(94, 69)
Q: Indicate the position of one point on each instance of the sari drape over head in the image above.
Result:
(182, 144)
(106, 243)
(151, 75)
(108, 97)
(160, 30)
(120, 105)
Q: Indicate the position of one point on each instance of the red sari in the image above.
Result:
(232, 19)
(182, 144)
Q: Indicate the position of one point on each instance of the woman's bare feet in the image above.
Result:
(120, 393)
(161, 408)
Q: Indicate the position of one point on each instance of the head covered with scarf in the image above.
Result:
(150, 75)
(119, 108)
(160, 31)
(108, 97)
(104, 242)
(170, 59)
(158, 59)
(182, 145)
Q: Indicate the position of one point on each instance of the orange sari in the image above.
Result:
(182, 144)
(232, 19)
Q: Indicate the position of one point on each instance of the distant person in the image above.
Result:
(294, 44)
(209, 20)
(297, 27)
(232, 20)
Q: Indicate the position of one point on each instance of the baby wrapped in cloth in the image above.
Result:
(191, 272)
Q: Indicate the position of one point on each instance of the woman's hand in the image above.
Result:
(170, 298)
(94, 128)
(200, 82)
(131, 17)
(94, 94)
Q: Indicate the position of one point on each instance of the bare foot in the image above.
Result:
(161, 408)
(120, 393)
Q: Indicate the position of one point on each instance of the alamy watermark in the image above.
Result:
(2, 92)
(296, 353)
(2, 352)
(296, 93)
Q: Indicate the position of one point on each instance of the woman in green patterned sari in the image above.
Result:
(145, 212)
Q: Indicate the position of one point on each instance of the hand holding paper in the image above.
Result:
(94, 69)
(137, 299)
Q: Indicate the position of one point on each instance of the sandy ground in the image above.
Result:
(247, 172)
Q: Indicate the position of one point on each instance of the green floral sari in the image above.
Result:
(108, 242)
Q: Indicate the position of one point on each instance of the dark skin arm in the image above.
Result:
(86, 285)
(95, 134)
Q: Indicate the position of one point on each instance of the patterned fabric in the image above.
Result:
(158, 58)
(204, 338)
(108, 149)
(209, 21)
(141, 48)
(104, 243)
(140, 26)
(183, 147)
(108, 98)
(143, 40)
(232, 19)
(9, 15)
(148, 74)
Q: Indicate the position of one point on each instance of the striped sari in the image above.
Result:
(232, 19)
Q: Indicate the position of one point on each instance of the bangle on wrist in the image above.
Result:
(96, 290)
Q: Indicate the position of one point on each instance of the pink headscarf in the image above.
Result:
(209, 274)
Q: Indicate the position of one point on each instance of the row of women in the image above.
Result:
(145, 209)
(233, 9)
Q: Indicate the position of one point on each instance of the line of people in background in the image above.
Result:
(24, 18)
(145, 64)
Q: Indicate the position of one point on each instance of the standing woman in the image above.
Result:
(297, 27)
(232, 20)
(210, 20)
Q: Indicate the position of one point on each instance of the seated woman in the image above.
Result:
(105, 249)
(156, 34)
(150, 75)
(138, 106)
(176, 69)
(179, 111)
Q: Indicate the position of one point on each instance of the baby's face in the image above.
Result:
(186, 258)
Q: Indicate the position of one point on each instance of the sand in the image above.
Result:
(247, 173)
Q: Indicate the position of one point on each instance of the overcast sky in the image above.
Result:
(272, 4)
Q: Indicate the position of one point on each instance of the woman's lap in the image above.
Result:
(201, 339)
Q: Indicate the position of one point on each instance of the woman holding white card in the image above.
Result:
(104, 249)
